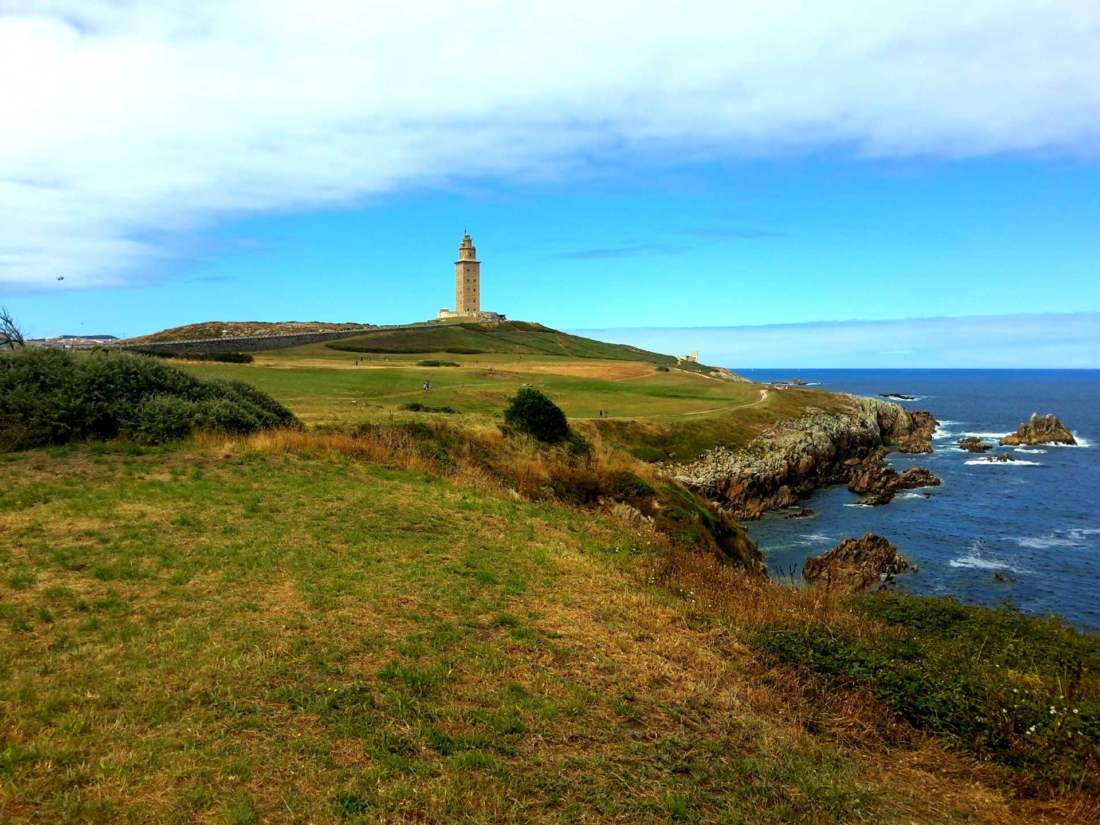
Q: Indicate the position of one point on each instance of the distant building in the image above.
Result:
(691, 358)
(468, 286)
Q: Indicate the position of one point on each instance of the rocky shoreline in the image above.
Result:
(823, 448)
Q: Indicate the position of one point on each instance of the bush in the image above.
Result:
(533, 413)
(416, 406)
(435, 362)
(222, 357)
(160, 418)
(52, 397)
(1019, 689)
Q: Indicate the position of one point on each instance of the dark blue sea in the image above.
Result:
(1037, 520)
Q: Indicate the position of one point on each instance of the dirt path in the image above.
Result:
(763, 397)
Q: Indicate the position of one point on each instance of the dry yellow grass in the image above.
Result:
(289, 632)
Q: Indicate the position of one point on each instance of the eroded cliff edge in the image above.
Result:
(796, 457)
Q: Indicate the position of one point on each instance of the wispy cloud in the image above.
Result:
(1070, 340)
(125, 121)
(627, 251)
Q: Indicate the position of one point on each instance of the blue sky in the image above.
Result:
(911, 163)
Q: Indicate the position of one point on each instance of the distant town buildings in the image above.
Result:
(72, 341)
(468, 286)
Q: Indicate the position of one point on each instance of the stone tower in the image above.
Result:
(467, 278)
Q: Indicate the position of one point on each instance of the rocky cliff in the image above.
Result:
(823, 447)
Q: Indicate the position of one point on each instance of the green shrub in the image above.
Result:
(533, 413)
(629, 487)
(416, 406)
(52, 397)
(1023, 690)
(160, 418)
(222, 357)
(435, 362)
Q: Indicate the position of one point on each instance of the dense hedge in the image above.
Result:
(51, 396)
(222, 357)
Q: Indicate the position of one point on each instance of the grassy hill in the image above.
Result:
(396, 615)
(236, 329)
(507, 337)
(649, 404)
(241, 632)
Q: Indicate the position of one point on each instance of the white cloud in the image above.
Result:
(124, 121)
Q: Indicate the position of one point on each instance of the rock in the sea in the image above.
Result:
(1040, 429)
(878, 482)
(802, 512)
(914, 477)
(897, 396)
(855, 564)
(973, 444)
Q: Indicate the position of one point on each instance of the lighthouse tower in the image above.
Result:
(467, 278)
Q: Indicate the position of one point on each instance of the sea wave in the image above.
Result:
(1068, 537)
(979, 563)
(984, 461)
(975, 559)
(1027, 450)
(813, 539)
(912, 496)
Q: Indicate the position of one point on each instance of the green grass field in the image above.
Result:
(655, 409)
(317, 627)
(209, 633)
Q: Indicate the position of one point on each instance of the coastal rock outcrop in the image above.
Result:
(878, 482)
(856, 564)
(800, 455)
(1040, 429)
(973, 444)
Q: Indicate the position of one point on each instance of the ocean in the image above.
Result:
(1036, 521)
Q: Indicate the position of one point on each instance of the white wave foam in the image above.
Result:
(813, 539)
(978, 563)
(984, 435)
(913, 495)
(985, 461)
(1026, 450)
(1081, 442)
(1070, 537)
(858, 504)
